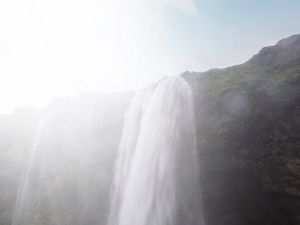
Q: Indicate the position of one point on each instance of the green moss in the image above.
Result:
(215, 82)
(289, 73)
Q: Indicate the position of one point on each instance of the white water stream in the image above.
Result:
(157, 174)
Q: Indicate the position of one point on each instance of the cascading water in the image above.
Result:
(61, 183)
(18, 210)
(156, 175)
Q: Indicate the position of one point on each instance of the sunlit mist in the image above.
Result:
(149, 112)
(61, 48)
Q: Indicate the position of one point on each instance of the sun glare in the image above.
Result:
(61, 48)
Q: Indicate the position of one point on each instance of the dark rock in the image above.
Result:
(249, 138)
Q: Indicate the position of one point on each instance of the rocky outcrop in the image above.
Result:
(249, 138)
(248, 119)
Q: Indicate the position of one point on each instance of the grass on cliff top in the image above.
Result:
(215, 82)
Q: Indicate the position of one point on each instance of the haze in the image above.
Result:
(61, 48)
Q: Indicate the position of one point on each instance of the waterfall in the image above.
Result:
(61, 183)
(156, 178)
(20, 201)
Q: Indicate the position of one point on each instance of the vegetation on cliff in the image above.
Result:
(249, 138)
(248, 120)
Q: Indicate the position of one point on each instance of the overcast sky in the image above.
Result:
(52, 48)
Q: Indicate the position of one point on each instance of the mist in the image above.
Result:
(149, 112)
(58, 161)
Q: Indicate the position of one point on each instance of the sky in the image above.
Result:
(59, 48)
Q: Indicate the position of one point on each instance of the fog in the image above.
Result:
(57, 162)
(100, 125)
(93, 159)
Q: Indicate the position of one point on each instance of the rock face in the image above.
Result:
(248, 120)
(249, 138)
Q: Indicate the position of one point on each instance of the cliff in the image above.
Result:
(248, 120)
(249, 138)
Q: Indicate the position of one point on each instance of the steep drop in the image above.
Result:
(156, 174)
